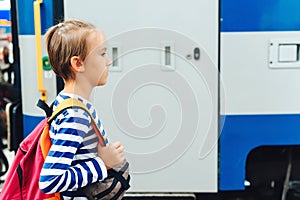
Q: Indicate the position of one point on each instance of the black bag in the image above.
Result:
(111, 188)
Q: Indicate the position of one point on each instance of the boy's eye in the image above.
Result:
(103, 54)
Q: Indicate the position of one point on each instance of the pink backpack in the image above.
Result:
(22, 182)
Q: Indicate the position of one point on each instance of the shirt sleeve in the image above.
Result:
(59, 173)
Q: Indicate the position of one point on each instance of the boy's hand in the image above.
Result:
(112, 155)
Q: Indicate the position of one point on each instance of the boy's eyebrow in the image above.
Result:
(101, 49)
(98, 49)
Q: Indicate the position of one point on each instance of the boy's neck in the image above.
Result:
(78, 89)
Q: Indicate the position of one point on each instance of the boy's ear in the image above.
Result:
(77, 64)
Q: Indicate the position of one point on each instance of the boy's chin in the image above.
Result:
(101, 84)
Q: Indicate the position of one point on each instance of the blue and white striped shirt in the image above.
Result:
(72, 161)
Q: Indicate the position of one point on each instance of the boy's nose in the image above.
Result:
(108, 62)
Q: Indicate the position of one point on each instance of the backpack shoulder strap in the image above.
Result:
(75, 103)
(45, 141)
(41, 104)
(65, 104)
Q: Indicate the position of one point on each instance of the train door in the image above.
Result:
(161, 99)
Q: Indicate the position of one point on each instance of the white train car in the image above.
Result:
(203, 94)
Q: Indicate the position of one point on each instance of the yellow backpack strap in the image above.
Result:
(75, 103)
(65, 104)
(45, 140)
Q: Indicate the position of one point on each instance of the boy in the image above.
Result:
(77, 53)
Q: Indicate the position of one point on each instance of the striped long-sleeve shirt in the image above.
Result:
(72, 161)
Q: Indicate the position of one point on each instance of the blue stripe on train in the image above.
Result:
(26, 16)
(30, 123)
(243, 133)
(257, 15)
(5, 14)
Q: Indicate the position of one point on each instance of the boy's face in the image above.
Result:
(97, 61)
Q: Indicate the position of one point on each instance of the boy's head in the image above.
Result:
(65, 40)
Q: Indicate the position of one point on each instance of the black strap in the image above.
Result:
(124, 183)
(119, 193)
(107, 191)
(119, 177)
(41, 104)
(20, 175)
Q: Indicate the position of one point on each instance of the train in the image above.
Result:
(204, 94)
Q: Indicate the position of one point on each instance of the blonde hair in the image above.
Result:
(65, 40)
